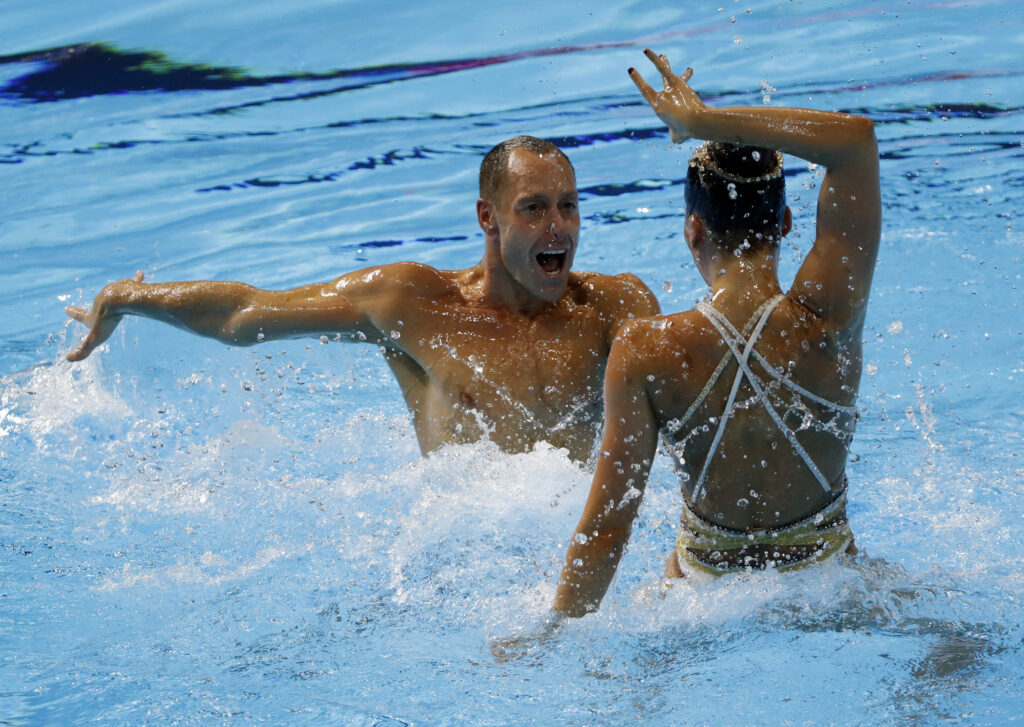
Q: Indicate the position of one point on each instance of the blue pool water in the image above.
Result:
(193, 534)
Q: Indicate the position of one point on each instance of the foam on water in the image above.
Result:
(218, 555)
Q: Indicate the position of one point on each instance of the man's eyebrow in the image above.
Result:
(532, 198)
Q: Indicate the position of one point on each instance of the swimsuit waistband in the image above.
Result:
(701, 543)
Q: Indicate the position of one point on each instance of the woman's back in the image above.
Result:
(758, 454)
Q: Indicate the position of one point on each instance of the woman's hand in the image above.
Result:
(678, 105)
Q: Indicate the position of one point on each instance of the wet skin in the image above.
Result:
(513, 349)
(659, 366)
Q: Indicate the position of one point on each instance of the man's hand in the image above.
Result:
(100, 320)
(678, 105)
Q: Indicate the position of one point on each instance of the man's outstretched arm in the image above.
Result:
(835, 278)
(241, 315)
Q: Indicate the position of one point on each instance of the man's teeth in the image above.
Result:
(552, 260)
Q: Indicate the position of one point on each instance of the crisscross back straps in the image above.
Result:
(722, 325)
(744, 369)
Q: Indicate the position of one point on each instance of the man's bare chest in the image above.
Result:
(480, 357)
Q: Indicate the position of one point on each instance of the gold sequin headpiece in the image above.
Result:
(701, 159)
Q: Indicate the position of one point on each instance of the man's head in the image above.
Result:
(528, 209)
(738, 194)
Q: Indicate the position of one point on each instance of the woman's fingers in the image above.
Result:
(661, 63)
(79, 314)
(649, 94)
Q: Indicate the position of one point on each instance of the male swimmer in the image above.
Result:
(513, 348)
(753, 390)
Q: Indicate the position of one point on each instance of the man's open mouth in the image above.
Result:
(553, 261)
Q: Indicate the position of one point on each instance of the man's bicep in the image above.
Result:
(342, 308)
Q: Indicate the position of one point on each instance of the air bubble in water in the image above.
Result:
(756, 155)
(732, 190)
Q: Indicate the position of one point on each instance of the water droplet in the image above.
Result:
(756, 155)
(323, 340)
(396, 335)
(577, 563)
(667, 285)
(580, 538)
(260, 337)
(742, 502)
(732, 190)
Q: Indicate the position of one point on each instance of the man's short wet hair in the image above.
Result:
(494, 167)
(738, 191)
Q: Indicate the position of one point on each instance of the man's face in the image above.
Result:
(538, 222)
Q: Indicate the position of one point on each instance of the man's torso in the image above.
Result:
(468, 370)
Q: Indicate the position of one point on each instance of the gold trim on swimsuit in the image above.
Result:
(706, 547)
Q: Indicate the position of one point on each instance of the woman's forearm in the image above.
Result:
(822, 137)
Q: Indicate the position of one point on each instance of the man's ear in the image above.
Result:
(485, 216)
(787, 221)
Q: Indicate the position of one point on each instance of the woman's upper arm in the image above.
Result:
(835, 278)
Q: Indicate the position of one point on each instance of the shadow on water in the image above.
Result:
(93, 69)
(97, 69)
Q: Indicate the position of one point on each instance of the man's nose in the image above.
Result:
(557, 230)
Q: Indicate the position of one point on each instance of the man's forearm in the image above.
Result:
(212, 309)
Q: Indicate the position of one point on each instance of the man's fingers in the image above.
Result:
(649, 93)
(79, 314)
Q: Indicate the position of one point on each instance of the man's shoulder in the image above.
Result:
(414, 279)
(623, 292)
